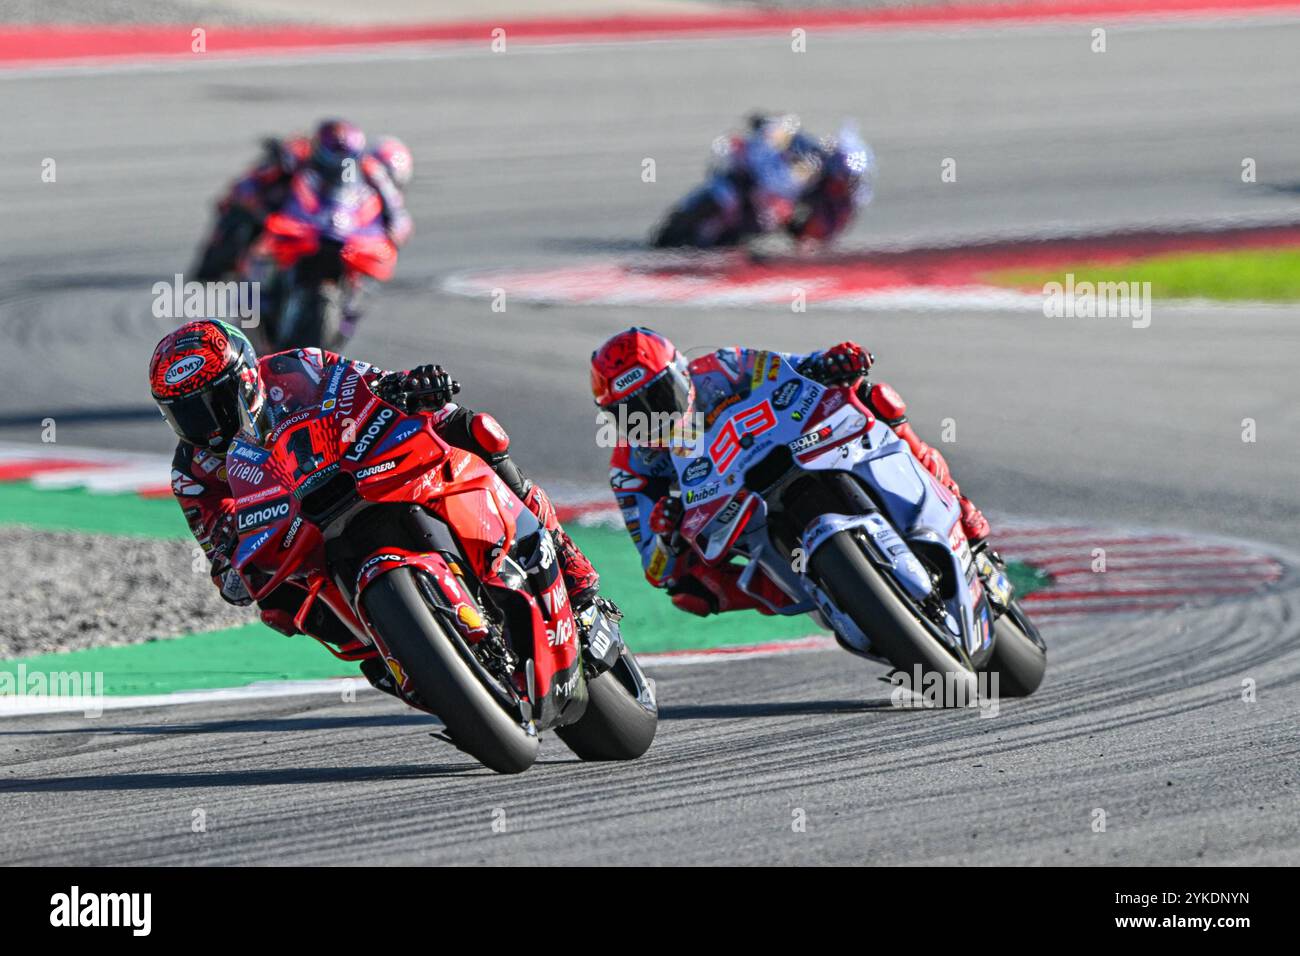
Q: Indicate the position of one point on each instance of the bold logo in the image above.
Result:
(786, 394)
(804, 442)
(371, 432)
(251, 518)
(697, 471)
(729, 512)
(562, 634)
(182, 369)
(628, 379)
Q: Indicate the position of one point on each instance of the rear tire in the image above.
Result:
(1019, 656)
(615, 726)
(895, 632)
(435, 661)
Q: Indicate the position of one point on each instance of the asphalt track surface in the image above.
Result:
(534, 158)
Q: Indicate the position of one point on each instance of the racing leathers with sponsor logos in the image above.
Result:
(294, 380)
(642, 478)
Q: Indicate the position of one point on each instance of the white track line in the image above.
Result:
(89, 706)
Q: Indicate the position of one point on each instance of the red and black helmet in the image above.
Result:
(643, 372)
(204, 378)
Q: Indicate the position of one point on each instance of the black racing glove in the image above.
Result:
(841, 364)
(426, 386)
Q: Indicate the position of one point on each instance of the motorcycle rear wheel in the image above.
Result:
(1019, 655)
(615, 725)
(439, 664)
(312, 317)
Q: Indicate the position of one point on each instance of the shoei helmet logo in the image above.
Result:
(182, 369)
(628, 379)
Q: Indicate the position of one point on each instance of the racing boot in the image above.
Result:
(580, 577)
(705, 590)
(890, 408)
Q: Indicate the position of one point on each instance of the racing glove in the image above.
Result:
(233, 589)
(426, 386)
(666, 515)
(224, 576)
(841, 364)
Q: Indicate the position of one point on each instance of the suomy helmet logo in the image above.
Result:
(182, 369)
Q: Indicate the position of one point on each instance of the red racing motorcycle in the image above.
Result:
(314, 260)
(441, 571)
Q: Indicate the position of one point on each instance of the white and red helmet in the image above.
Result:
(642, 371)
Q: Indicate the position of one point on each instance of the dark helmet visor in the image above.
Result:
(655, 414)
(669, 392)
(210, 418)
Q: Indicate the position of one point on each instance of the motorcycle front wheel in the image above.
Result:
(446, 676)
(860, 590)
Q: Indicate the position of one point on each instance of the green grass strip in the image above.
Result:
(1255, 275)
(237, 656)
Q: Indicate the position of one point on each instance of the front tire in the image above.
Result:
(860, 590)
(615, 725)
(439, 665)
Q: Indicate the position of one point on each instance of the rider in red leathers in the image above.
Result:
(262, 190)
(210, 385)
(641, 373)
